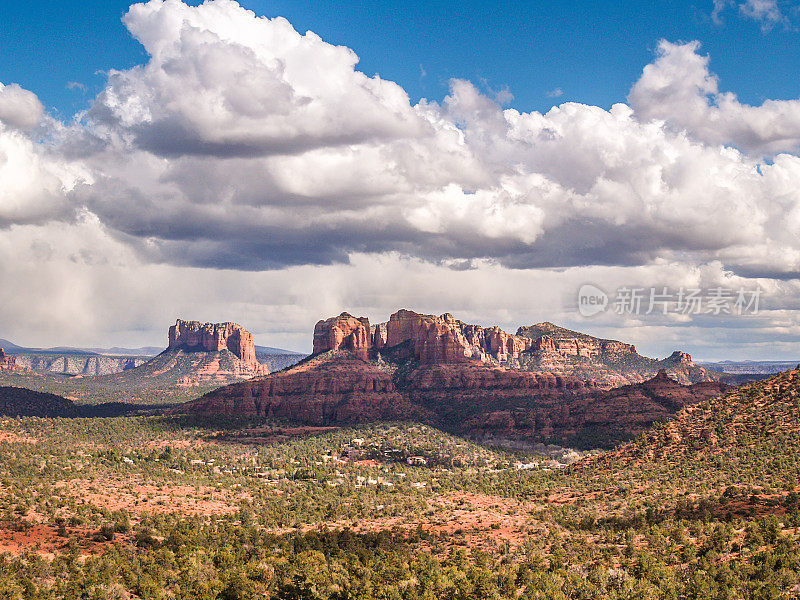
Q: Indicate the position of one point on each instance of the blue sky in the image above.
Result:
(591, 51)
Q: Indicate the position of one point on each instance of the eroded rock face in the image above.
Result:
(680, 358)
(430, 339)
(5, 360)
(344, 331)
(608, 416)
(608, 362)
(76, 364)
(9, 366)
(463, 378)
(335, 388)
(552, 338)
(193, 336)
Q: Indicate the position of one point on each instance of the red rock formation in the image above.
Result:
(379, 335)
(432, 340)
(428, 339)
(444, 339)
(6, 361)
(449, 374)
(194, 336)
(9, 366)
(504, 346)
(681, 358)
(325, 390)
(611, 415)
(609, 362)
(344, 331)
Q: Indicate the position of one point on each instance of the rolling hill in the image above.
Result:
(749, 436)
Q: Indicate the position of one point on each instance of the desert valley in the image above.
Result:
(422, 457)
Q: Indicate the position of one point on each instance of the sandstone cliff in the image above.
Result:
(596, 418)
(464, 378)
(610, 363)
(193, 336)
(344, 331)
(200, 358)
(201, 354)
(428, 339)
(10, 368)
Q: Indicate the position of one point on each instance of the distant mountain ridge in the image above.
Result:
(12, 348)
(271, 350)
(750, 366)
(78, 364)
(7, 345)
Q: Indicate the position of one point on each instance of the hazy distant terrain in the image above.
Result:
(750, 366)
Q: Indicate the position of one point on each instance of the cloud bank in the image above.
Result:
(245, 154)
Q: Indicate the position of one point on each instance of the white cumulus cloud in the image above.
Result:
(19, 108)
(680, 90)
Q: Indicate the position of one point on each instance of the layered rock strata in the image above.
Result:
(464, 378)
(318, 392)
(606, 415)
(428, 339)
(193, 336)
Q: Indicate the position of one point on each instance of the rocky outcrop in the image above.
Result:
(5, 360)
(595, 418)
(344, 331)
(610, 363)
(337, 387)
(429, 339)
(10, 368)
(200, 358)
(680, 358)
(193, 336)
(552, 338)
(544, 347)
(463, 378)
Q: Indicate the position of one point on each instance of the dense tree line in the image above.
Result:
(231, 561)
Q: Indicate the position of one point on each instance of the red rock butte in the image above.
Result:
(193, 336)
(467, 379)
(428, 339)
